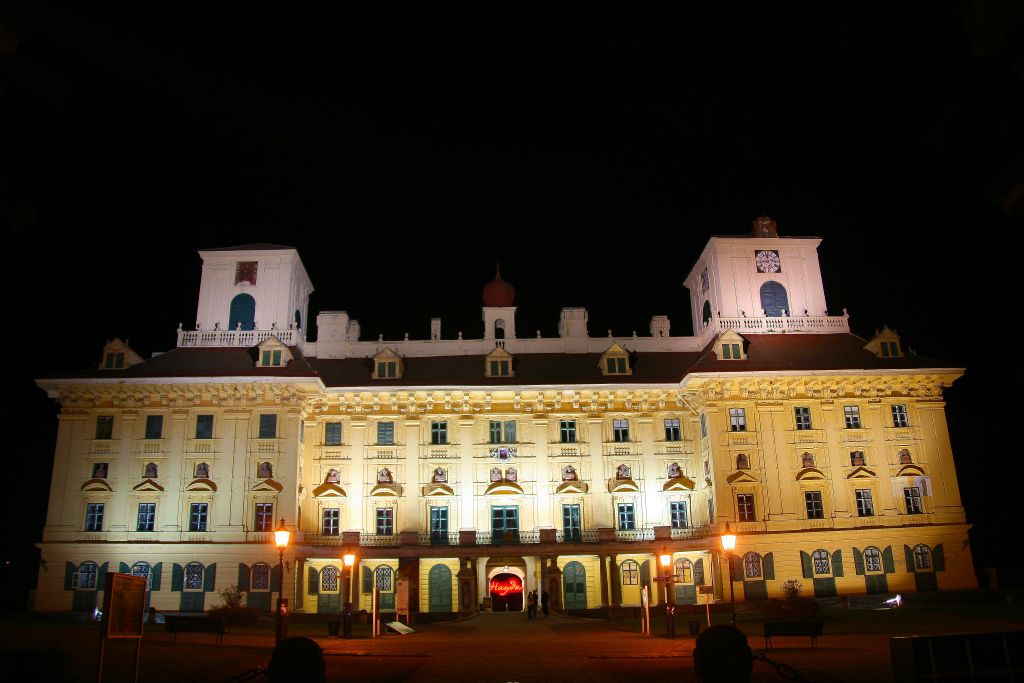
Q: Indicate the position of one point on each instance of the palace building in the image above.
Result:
(476, 468)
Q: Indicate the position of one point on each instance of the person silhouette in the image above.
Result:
(722, 655)
(296, 660)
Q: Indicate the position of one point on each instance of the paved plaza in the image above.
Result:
(492, 648)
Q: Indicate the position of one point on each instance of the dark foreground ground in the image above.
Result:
(499, 647)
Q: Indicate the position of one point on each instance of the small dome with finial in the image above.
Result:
(498, 293)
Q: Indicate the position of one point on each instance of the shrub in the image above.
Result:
(792, 607)
(232, 611)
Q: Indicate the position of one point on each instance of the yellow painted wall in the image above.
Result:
(425, 566)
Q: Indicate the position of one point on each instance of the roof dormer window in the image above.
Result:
(498, 363)
(272, 353)
(615, 361)
(730, 346)
(113, 360)
(886, 344)
(117, 355)
(387, 365)
(270, 358)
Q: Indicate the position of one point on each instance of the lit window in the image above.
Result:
(85, 577)
(912, 497)
(329, 579)
(852, 416)
(630, 573)
(672, 431)
(567, 431)
(439, 433)
(194, 576)
(268, 426)
(872, 559)
(680, 516)
(147, 517)
(105, 427)
(260, 577)
(812, 500)
(385, 433)
(143, 571)
(752, 566)
(385, 521)
(198, 513)
(204, 426)
(627, 517)
(865, 505)
(822, 563)
(384, 578)
(264, 517)
(899, 416)
(332, 434)
(803, 417)
(737, 420)
(154, 426)
(331, 522)
(922, 557)
(745, 507)
(94, 517)
(684, 571)
(620, 430)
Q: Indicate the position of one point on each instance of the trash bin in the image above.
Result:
(333, 626)
(694, 627)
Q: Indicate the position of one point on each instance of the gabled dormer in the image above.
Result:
(388, 365)
(498, 363)
(615, 361)
(117, 355)
(885, 344)
(730, 345)
(272, 353)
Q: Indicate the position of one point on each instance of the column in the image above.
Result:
(235, 442)
(410, 512)
(614, 582)
(409, 569)
(356, 488)
(467, 480)
(542, 475)
(601, 514)
(531, 574)
(122, 466)
(468, 587)
(605, 590)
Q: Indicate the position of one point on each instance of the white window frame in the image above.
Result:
(900, 417)
(851, 417)
(737, 419)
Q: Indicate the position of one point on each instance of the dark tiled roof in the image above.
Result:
(793, 352)
(255, 246)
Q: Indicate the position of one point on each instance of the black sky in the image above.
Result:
(403, 159)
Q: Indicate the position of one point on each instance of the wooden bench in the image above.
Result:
(179, 624)
(792, 628)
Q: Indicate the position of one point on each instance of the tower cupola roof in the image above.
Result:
(498, 293)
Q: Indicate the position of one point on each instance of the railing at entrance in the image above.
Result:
(438, 538)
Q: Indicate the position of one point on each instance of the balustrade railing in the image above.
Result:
(646, 534)
(246, 338)
(691, 532)
(438, 538)
(760, 324)
(379, 540)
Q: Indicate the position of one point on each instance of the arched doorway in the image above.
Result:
(574, 582)
(440, 589)
(774, 299)
(506, 591)
(243, 310)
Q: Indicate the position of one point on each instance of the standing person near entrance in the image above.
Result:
(531, 605)
(544, 597)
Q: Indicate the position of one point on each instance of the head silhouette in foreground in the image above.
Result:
(722, 655)
(297, 659)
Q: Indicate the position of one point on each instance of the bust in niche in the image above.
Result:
(99, 470)
(675, 471)
(807, 460)
(265, 470)
(905, 458)
(440, 476)
(495, 474)
(623, 472)
(742, 461)
(857, 458)
(150, 471)
(202, 471)
(384, 477)
(333, 477)
(569, 473)
(511, 474)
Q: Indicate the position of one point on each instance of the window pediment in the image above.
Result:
(268, 485)
(730, 345)
(329, 490)
(741, 477)
(572, 487)
(386, 490)
(861, 473)
(910, 471)
(388, 365)
(148, 485)
(810, 473)
(503, 487)
(680, 483)
(201, 485)
(617, 485)
(96, 485)
(273, 353)
(437, 490)
(615, 361)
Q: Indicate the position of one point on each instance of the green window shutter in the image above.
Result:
(275, 578)
(209, 578)
(888, 564)
(858, 562)
(177, 578)
(837, 563)
(266, 359)
(908, 555)
(69, 573)
(805, 565)
(158, 569)
(243, 577)
(726, 352)
(698, 572)
(277, 358)
(367, 580)
(101, 577)
(312, 582)
(938, 559)
(769, 566)
(123, 568)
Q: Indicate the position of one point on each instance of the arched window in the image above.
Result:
(329, 579)
(807, 460)
(822, 565)
(499, 329)
(743, 461)
(922, 557)
(706, 313)
(774, 299)
(298, 319)
(143, 570)
(752, 566)
(684, 571)
(260, 577)
(872, 559)
(905, 458)
(630, 573)
(383, 576)
(194, 576)
(86, 576)
(243, 310)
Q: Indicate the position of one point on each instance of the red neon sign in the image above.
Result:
(503, 588)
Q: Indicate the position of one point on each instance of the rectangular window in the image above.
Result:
(271, 358)
(703, 426)
(439, 433)
(204, 426)
(865, 506)
(912, 497)
(495, 431)
(616, 366)
(330, 522)
(510, 431)
(385, 433)
(737, 420)
(745, 507)
(502, 432)
(387, 369)
(268, 426)
(672, 431)
(567, 431)
(264, 517)
(852, 415)
(572, 529)
(94, 517)
(385, 521)
(332, 434)
(105, 427)
(154, 426)
(197, 518)
(500, 368)
(147, 517)
(679, 514)
(899, 416)
(114, 360)
(803, 417)
(439, 523)
(627, 517)
(620, 431)
(815, 510)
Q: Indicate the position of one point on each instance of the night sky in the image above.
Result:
(405, 158)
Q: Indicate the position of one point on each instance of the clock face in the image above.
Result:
(767, 261)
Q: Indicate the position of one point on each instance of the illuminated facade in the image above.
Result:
(472, 468)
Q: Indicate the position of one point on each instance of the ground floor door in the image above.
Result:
(825, 588)
(506, 592)
(328, 603)
(83, 601)
(574, 582)
(926, 581)
(193, 601)
(755, 590)
(876, 583)
(440, 589)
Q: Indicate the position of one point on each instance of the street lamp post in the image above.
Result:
(350, 561)
(281, 538)
(728, 545)
(670, 603)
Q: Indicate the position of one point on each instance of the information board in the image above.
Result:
(402, 598)
(124, 605)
